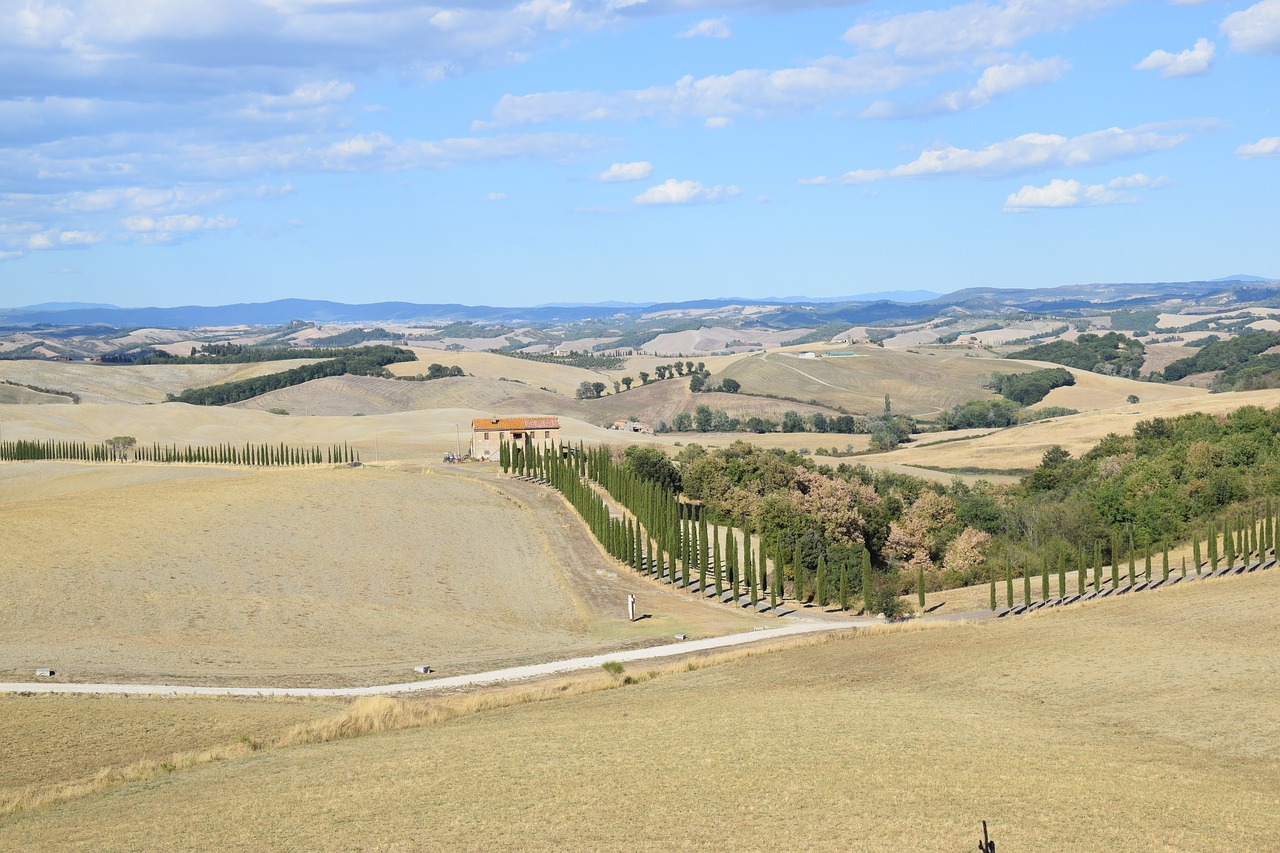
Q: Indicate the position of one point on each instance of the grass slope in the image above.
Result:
(1137, 724)
(314, 576)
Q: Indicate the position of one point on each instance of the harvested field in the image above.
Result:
(558, 378)
(307, 576)
(1023, 446)
(146, 383)
(47, 740)
(1133, 724)
(916, 384)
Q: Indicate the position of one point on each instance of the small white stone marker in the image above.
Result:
(44, 673)
(631, 607)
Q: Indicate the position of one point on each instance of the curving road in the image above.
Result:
(497, 676)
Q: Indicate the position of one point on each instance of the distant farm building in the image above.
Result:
(487, 434)
(633, 426)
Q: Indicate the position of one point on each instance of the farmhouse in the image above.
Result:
(487, 434)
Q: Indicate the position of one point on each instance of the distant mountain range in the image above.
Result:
(790, 312)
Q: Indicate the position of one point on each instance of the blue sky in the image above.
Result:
(216, 151)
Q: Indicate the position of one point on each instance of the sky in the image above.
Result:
(157, 152)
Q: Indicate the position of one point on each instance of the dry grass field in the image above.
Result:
(917, 384)
(1022, 447)
(306, 576)
(1143, 723)
(147, 383)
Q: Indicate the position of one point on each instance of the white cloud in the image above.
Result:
(1256, 29)
(1060, 193)
(166, 229)
(996, 80)
(1028, 152)
(820, 180)
(496, 197)
(672, 191)
(972, 27)
(637, 171)
(54, 238)
(753, 90)
(717, 122)
(1196, 60)
(712, 28)
(1268, 147)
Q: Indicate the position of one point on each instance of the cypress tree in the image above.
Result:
(1080, 572)
(798, 578)
(1131, 566)
(1062, 574)
(844, 583)
(920, 585)
(1146, 565)
(1268, 528)
(1213, 547)
(775, 588)
(715, 566)
(704, 556)
(1229, 543)
(1008, 582)
(1097, 565)
(1184, 567)
(1026, 584)
(753, 572)
(992, 575)
(866, 581)
(1164, 563)
(762, 574)
(820, 582)
(1115, 561)
(715, 555)
(1195, 550)
(1044, 577)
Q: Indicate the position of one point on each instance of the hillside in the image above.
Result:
(916, 384)
(1021, 447)
(317, 576)
(890, 741)
(114, 383)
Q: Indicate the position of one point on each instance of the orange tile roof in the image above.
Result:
(500, 424)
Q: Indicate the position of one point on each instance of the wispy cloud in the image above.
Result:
(996, 81)
(1028, 152)
(672, 191)
(636, 171)
(1060, 193)
(712, 28)
(785, 91)
(1268, 147)
(972, 27)
(1195, 60)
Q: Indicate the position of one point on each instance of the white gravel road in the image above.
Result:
(497, 676)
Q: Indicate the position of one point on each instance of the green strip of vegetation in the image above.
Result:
(1112, 354)
(1030, 388)
(585, 360)
(365, 361)
(1233, 356)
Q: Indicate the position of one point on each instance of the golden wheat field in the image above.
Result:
(1143, 723)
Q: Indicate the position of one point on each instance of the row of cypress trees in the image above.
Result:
(672, 540)
(265, 455)
(1247, 535)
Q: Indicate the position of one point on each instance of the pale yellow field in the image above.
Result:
(306, 576)
(486, 365)
(1143, 723)
(916, 384)
(148, 383)
(1022, 447)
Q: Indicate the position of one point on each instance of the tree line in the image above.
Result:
(364, 361)
(126, 448)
